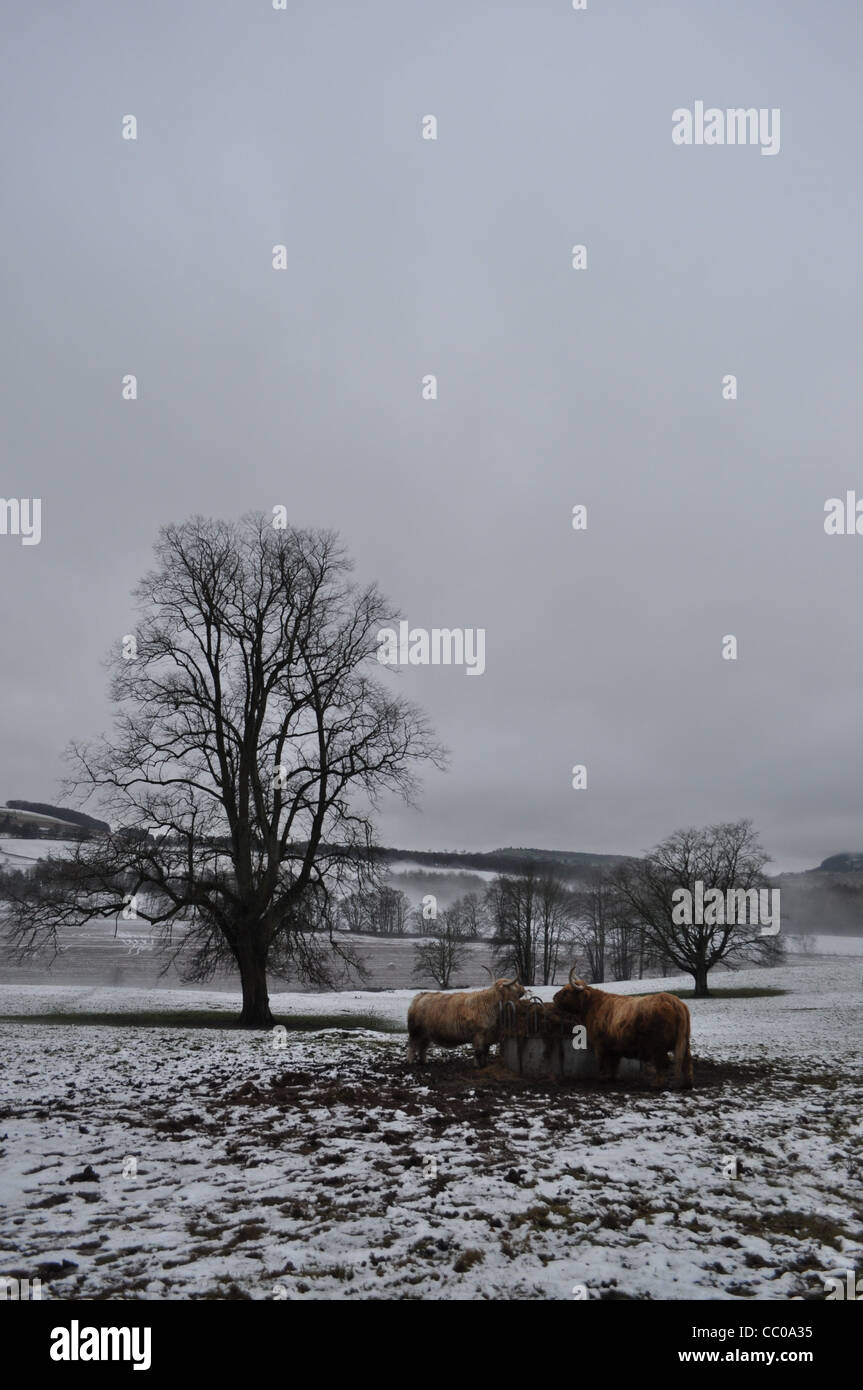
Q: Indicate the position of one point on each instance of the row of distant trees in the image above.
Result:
(615, 924)
(537, 924)
(382, 910)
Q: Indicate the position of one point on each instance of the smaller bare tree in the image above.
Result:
(388, 911)
(609, 934)
(442, 953)
(532, 915)
(474, 916)
(354, 912)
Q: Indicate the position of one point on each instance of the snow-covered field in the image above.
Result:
(326, 1168)
(16, 853)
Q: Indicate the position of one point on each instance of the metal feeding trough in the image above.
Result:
(535, 1040)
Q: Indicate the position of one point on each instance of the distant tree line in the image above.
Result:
(381, 910)
(503, 861)
(619, 922)
(612, 922)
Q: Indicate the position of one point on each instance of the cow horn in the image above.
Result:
(572, 977)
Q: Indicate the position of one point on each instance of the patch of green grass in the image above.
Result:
(466, 1260)
(550, 1217)
(206, 1018)
(247, 1232)
(800, 1225)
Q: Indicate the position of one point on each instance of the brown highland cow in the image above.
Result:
(450, 1020)
(646, 1027)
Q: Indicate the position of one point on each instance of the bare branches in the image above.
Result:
(723, 856)
(252, 726)
(532, 914)
(442, 952)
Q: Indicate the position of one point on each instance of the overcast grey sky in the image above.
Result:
(408, 256)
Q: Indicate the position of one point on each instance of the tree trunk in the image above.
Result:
(256, 1000)
(699, 974)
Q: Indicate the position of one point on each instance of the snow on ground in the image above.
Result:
(326, 1168)
(18, 853)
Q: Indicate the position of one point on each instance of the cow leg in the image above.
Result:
(481, 1043)
(658, 1069)
(608, 1064)
(683, 1057)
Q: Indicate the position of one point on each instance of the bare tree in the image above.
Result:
(554, 915)
(510, 900)
(442, 952)
(725, 856)
(594, 904)
(624, 949)
(388, 910)
(532, 915)
(607, 933)
(379, 911)
(354, 912)
(253, 734)
(423, 916)
(474, 915)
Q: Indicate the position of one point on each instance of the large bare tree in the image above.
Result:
(726, 856)
(254, 732)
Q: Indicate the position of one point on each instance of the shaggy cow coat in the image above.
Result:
(450, 1020)
(646, 1027)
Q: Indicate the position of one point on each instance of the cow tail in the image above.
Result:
(682, 1055)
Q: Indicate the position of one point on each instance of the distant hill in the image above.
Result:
(827, 901)
(845, 863)
(61, 813)
(501, 861)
